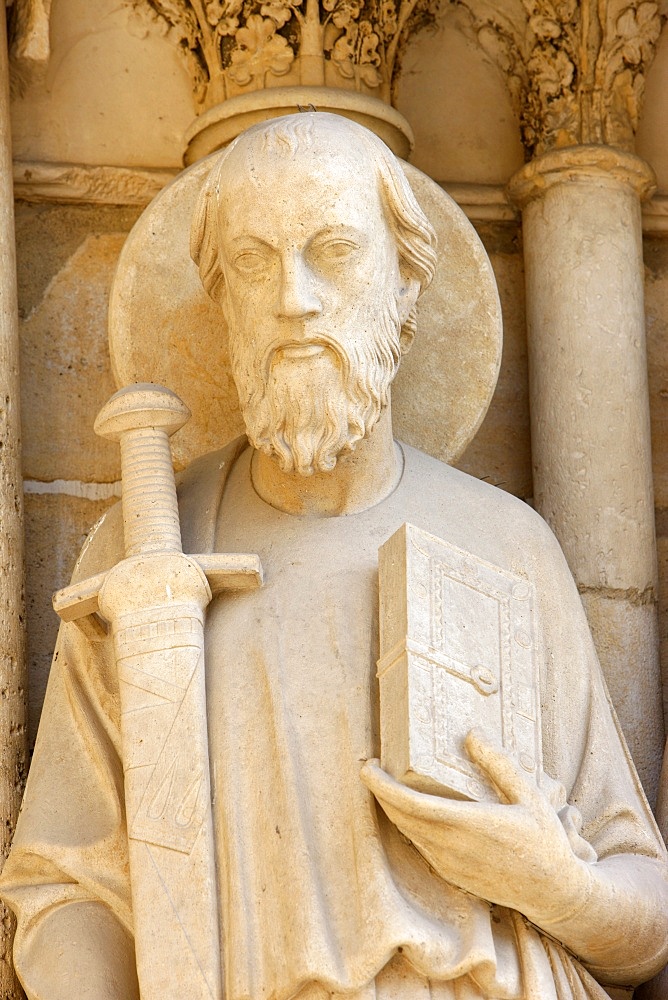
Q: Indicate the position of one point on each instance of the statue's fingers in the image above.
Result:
(503, 769)
(421, 805)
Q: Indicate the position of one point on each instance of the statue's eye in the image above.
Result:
(336, 250)
(250, 262)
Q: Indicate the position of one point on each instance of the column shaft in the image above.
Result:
(590, 412)
(13, 749)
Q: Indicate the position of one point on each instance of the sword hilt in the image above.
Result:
(143, 417)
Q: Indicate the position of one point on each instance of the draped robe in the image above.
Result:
(319, 894)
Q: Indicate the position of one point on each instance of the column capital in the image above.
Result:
(575, 69)
(596, 163)
(239, 47)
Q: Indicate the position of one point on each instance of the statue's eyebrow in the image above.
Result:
(336, 231)
(244, 241)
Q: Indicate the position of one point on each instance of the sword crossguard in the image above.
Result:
(142, 418)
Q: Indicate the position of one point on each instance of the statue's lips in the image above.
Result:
(308, 350)
(303, 349)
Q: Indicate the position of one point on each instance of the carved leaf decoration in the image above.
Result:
(640, 30)
(545, 27)
(565, 10)
(552, 71)
(342, 54)
(574, 68)
(388, 18)
(345, 14)
(214, 12)
(227, 26)
(561, 120)
(245, 40)
(370, 76)
(369, 55)
(280, 13)
(259, 51)
(496, 47)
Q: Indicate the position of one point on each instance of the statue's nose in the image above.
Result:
(298, 296)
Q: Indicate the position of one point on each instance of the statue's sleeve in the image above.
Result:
(67, 875)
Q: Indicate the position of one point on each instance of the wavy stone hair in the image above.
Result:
(414, 234)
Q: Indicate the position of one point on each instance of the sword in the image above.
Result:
(155, 601)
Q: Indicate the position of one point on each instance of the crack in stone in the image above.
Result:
(639, 598)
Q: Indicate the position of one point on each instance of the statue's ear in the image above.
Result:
(407, 296)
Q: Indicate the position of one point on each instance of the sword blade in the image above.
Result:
(160, 656)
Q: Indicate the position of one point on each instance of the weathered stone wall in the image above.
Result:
(65, 261)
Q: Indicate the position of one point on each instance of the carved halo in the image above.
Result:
(165, 329)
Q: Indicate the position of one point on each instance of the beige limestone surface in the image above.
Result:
(116, 92)
(13, 673)
(291, 711)
(458, 649)
(66, 260)
(500, 453)
(458, 105)
(652, 134)
(64, 355)
(110, 93)
(129, 86)
(56, 526)
(656, 313)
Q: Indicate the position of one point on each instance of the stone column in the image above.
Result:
(13, 748)
(590, 429)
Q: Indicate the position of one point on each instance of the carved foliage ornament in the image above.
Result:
(575, 68)
(235, 46)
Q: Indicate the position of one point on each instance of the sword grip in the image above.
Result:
(150, 508)
(142, 417)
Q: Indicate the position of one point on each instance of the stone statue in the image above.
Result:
(334, 878)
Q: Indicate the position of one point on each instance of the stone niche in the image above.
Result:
(114, 94)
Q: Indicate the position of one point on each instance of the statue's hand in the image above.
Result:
(516, 853)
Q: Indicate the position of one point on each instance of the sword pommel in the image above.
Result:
(142, 417)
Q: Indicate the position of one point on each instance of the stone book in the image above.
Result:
(458, 649)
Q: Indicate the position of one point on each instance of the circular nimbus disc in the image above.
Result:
(163, 328)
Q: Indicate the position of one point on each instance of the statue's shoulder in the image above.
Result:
(459, 498)
(199, 489)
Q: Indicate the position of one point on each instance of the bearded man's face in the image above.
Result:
(311, 298)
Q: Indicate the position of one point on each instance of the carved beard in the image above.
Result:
(308, 412)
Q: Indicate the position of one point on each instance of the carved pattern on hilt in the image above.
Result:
(143, 417)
